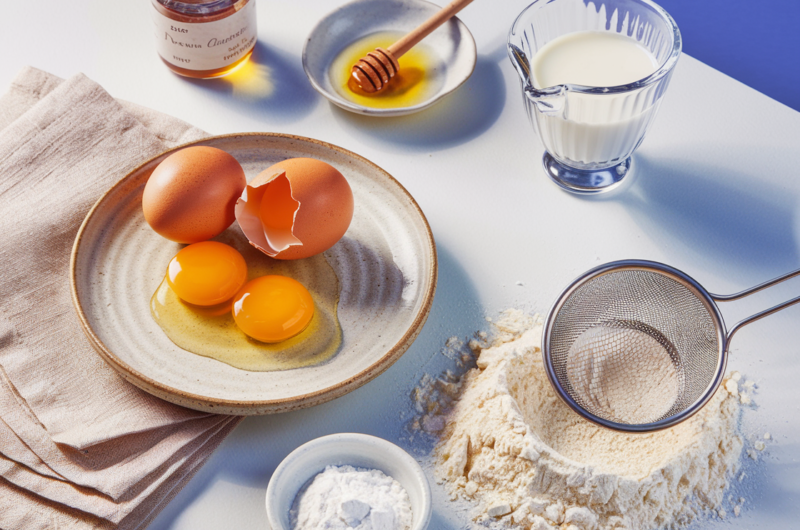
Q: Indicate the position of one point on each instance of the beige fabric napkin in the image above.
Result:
(119, 469)
(109, 467)
(25, 510)
(91, 501)
(81, 448)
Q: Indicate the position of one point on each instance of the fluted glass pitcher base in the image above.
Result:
(585, 181)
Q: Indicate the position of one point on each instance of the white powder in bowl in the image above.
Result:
(528, 461)
(346, 497)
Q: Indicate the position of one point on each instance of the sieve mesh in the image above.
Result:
(634, 346)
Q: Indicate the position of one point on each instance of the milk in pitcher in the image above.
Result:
(590, 129)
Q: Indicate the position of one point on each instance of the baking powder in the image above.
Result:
(346, 497)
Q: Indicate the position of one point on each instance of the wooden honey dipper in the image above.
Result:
(374, 71)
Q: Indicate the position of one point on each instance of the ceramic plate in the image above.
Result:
(386, 265)
(451, 43)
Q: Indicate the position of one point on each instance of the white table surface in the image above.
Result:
(716, 195)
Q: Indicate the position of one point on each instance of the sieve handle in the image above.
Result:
(757, 288)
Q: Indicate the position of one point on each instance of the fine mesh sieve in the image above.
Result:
(639, 346)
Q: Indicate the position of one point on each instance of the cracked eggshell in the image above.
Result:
(191, 194)
(296, 208)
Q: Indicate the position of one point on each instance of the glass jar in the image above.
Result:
(204, 38)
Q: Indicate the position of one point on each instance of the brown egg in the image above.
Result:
(296, 208)
(191, 195)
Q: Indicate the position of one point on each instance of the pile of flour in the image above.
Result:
(509, 444)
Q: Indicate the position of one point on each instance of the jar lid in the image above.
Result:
(199, 7)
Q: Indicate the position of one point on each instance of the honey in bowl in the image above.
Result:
(417, 80)
(211, 331)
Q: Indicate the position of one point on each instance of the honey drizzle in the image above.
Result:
(415, 82)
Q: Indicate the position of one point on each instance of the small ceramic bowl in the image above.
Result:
(452, 44)
(357, 450)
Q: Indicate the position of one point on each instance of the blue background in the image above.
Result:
(755, 42)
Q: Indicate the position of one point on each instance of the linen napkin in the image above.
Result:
(79, 446)
(106, 466)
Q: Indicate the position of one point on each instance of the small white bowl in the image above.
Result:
(357, 450)
(452, 43)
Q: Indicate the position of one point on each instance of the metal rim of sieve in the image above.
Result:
(707, 299)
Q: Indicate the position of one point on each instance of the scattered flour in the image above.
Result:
(345, 497)
(510, 445)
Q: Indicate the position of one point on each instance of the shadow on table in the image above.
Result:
(770, 488)
(260, 443)
(456, 119)
(271, 85)
(718, 214)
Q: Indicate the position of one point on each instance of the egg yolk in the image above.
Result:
(273, 308)
(207, 273)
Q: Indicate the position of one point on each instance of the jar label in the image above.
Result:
(206, 45)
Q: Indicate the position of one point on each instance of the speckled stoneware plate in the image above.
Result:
(451, 43)
(386, 265)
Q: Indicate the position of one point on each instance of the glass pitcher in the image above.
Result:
(590, 133)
